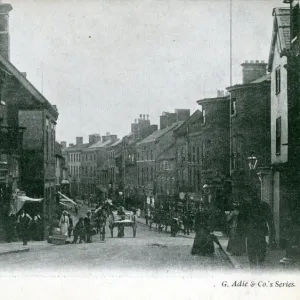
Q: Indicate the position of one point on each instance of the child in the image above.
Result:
(79, 231)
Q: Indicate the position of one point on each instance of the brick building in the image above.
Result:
(250, 131)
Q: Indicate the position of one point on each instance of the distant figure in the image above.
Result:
(24, 221)
(64, 224)
(88, 229)
(186, 223)
(237, 241)
(37, 228)
(79, 232)
(121, 228)
(76, 209)
(259, 223)
(70, 228)
(204, 240)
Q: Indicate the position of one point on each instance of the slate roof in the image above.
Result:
(100, 144)
(266, 77)
(78, 147)
(116, 143)
(159, 133)
(281, 32)
(27, 85)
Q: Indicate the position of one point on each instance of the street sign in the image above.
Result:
(181, 196)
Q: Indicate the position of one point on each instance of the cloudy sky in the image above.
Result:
(104, 62)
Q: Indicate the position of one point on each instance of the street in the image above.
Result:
(149, 251)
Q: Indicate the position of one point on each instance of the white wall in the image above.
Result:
(279, 108)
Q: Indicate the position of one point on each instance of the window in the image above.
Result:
(233, 106)
(204, 117)
(194, 154)
(278, 136)
(47, 139)
(151, 155)
(198, 155)
(277, 79)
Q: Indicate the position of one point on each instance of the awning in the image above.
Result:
(66, 199)
(64, 204)
(19, 202)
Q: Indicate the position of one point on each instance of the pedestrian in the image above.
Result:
(70, 228)
(79, 231)
(88, 229)
(133, 218)
(76, 209)
(64, 224)
(186, 223)
(204, 240)
(259, 223)
(37, 227)
(236, 241)
(10, 228)
(24, 221)
(121, 228)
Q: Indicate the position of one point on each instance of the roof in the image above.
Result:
(266, 78)
(281, 32)
(222, 98)
(27, 85)
(116, 143)
(100, 144)
(194, 117)
(77, 147)
(159, 133)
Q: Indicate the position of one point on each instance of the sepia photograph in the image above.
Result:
(149, 149)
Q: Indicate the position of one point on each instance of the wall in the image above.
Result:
(279, 109)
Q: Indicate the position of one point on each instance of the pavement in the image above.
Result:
(273, 256)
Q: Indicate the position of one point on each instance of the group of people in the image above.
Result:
(24, 226)
(249, 224)
(82, 231)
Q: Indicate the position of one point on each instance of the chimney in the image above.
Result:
(4, 30)
(143, 117)
(163, 121)
(63, 144)
(71, 145)
(253, 70)
(94, 138)
(183, 114)
(79, 140)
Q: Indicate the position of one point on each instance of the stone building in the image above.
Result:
(250, 131)
(27, 107)
(148, 151)
(277, 67)
(214, 142)
(73, 153)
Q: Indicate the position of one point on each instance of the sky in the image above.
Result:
(105, 62)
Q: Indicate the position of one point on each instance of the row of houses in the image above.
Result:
(31, 160)
(207, 154)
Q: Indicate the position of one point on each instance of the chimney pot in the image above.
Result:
(262, 61)
(246, 61)
(257, 61)
(251, 61)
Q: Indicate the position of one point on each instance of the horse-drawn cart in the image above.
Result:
(116, 221)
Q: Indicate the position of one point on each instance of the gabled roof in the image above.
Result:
(281, 32)
(159, 133)
(11, 69)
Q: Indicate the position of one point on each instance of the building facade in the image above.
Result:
(250, 132)
(277, 67)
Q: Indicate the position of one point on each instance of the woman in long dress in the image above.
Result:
(64, 224)
(237, 241)
(203, 242)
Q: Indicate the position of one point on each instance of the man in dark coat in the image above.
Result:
(24, 221)
(259, 223)
(88, 229)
